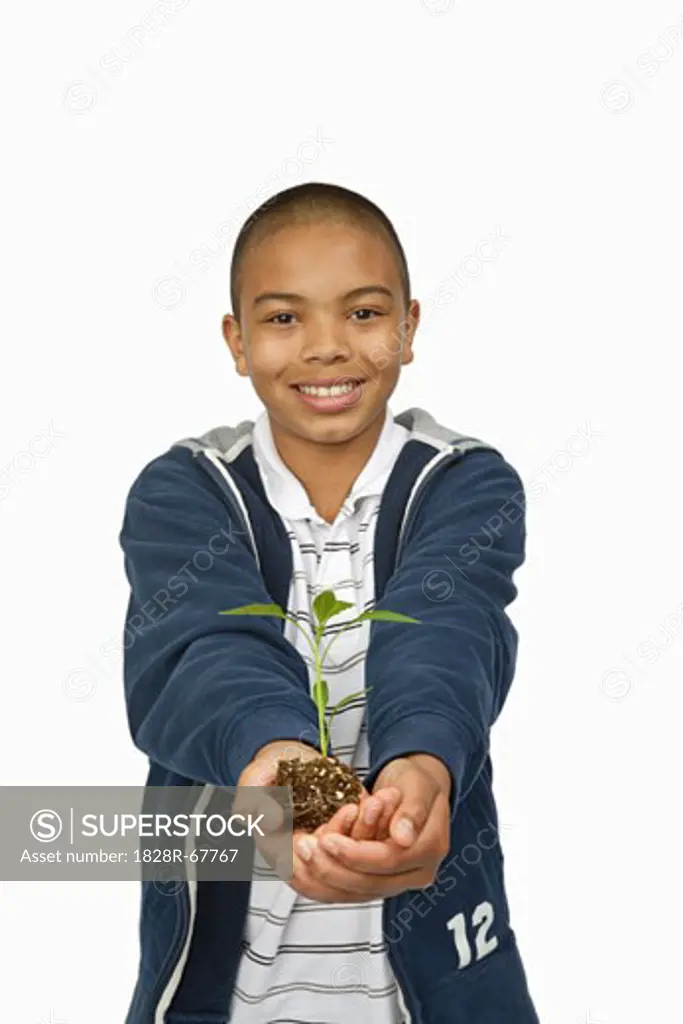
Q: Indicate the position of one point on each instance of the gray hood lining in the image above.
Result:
(229, 442)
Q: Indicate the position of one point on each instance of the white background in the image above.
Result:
(460, 119)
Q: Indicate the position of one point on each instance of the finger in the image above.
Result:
(327, 873)
(321, 878)
(255, 801)
(374, 811)
(306, 881)
(271, 809)
(391, 796)
(303, 884)
(312, 890)
(260, 772)
(254, 796)
(271, 827)
(342, 821)
(366, 856)
(419, 791)
(370, 811)
(267, 761)
(388, 857)
(340, 824)
(250, 795)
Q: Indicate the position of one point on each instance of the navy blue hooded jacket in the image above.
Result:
(204, 692)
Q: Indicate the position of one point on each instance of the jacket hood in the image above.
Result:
(229, 441)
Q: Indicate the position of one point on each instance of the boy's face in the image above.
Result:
(304, 320)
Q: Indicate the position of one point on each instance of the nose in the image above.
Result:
(325, 342)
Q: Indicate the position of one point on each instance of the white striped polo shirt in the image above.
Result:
(305, 962)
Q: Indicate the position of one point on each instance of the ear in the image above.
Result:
(410, 324)
(232, 332)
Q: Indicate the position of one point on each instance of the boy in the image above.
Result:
(396, 911)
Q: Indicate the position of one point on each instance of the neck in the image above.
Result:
(327, 472)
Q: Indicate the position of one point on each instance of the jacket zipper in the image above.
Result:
(181, 950)
(436, 463)
(236, 505)
(407, 997)
(418, 491)
(233, 499)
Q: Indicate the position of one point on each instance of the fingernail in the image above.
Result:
(305, 848)
(405, 830)
(330, 844)
(350, 814)
(371, 814)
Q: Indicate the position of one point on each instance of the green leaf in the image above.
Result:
(346, 700)
(323, 605)
(382, 615)
(326, 606)
(256, 609)
(341, 606)
(320, 693)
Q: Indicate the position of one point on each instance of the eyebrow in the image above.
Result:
(293, 297)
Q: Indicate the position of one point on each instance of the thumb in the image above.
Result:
(251, 796)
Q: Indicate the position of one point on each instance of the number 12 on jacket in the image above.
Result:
(482, 919)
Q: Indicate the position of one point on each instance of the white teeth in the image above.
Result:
(335, 390)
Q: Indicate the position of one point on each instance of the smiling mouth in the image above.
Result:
(329, 391)
(334, 396)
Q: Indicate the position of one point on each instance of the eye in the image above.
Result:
(274, 319)
(373, 313)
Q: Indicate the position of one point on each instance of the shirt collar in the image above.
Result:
(288, 495)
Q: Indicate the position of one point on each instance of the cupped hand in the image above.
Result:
(368, 820)
(409, 857)
(374, 857)
(372, 823)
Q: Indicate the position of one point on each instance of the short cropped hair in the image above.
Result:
(309, 202)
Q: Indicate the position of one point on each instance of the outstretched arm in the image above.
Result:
(437, 687)
(204, 692)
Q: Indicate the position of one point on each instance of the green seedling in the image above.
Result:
(325, 607)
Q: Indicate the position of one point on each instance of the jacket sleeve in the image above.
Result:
(437, 687)
(203, 691)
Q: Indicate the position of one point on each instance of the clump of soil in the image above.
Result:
(319, 788)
